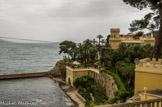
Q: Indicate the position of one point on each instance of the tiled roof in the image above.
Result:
(127, 36)
(156, 92)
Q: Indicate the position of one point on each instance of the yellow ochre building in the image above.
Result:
(73, 73)
(148, 79)
(115, 39)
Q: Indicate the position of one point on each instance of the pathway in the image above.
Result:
(70, 91)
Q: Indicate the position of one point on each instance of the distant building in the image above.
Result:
(116, 39)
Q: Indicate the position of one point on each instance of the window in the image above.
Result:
(114, 45)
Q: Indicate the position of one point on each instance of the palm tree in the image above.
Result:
(94, 42)
(102, 41)
(107, 56)
(99, 40)
(80, 55)
(87, 44)
(107, 40)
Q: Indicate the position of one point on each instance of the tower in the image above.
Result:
(115, 38)
(150, 40)
(115, 33)
(152, 36)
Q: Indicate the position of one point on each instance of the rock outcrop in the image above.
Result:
(107, 81)
(55, 71)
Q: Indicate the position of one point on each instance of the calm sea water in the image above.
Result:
(30, 92)
(25, 57)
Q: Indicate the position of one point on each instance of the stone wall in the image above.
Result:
(107, 81)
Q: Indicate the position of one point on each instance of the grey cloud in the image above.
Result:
(64, 19)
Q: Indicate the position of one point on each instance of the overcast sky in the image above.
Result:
(58, 20)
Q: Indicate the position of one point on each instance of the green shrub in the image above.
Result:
(112, 101)
(88, 85)
(63, 72)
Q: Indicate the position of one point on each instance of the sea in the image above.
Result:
(18, 58)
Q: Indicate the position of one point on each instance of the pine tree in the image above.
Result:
(151, 21)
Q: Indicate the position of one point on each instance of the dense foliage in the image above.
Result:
(88, 85)
(118, 63)
(86, 52)
(151, 21)
(126, 70)
(68, 47)
(110, 57)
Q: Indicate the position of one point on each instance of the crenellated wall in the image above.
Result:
(148, 74)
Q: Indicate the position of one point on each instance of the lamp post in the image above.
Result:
(145, 88)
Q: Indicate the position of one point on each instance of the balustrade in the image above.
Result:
(145, 103)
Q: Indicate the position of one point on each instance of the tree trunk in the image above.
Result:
(158, 42)
(85, 58)
(129, 80)
(99, 43)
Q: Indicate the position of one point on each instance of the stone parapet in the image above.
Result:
(83, 69)
(148, 66)
(148, 74)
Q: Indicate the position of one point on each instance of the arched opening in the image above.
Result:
(69, 81)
